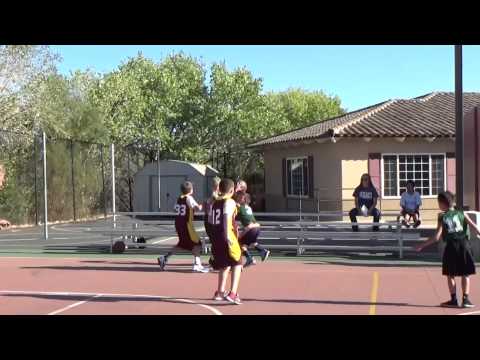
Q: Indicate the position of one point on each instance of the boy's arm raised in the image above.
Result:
(472, 224)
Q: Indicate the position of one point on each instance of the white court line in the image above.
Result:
(86, 242)
(163, 240)
(42, 239)
(471, 313)
(173, 237)
(73, 305)
(94, 295)
(54, 227)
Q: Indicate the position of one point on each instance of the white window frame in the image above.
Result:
(293, 196)
(397, 197)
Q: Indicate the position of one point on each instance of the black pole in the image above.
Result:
(103, 184)
(459, 153)
(35, 176)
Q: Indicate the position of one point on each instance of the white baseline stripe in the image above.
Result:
(93, 295)
(173, 237)
(86, 242)
(73, 305)
(163, 240)
(471, 313)
(75, 229)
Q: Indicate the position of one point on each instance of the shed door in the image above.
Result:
(169, 190)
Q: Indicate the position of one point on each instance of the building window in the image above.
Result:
(426, 170)
(297, 177)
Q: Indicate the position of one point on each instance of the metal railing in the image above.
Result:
(299, 235)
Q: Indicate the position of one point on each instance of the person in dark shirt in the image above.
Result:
(4, 224)
(366, 197)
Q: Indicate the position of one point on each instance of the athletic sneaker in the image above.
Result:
(450, 303)
(200, 268)
(219, 296)
(265, 254)
(467, 304)
(417, 224)
(233, 298)
(250, 262)
(162, 262)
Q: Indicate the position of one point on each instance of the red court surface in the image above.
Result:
(111, 286)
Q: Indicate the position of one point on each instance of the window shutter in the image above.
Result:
(284, 177)
(374, 169)
(310, 177)
(450, 173)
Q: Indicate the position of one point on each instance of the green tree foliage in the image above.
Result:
(178, 106)
(296, 108)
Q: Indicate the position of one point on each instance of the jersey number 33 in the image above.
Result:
(181, 210)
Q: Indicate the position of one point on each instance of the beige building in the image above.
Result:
(319, 166)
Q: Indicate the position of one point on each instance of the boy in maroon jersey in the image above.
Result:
(207, 208)
(188, 238)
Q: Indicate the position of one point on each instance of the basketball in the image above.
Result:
(118, 247)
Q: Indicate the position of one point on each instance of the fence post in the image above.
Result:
(129, 181)
(104, 193)
(73, 183)
(112, 156)
(45, 198)
(159, 182)
(35, 176)
(400, 239)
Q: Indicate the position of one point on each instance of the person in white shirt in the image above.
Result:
(410, 204)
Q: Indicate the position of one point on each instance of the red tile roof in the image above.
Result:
(431, 115)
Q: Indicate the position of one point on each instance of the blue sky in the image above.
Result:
(359, 75)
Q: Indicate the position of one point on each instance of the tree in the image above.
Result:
(66, 107)
(296, 108)
(235, 114)
(154, 106)
(21, 66)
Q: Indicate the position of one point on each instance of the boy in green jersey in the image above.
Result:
(251, 229)
(457, 258)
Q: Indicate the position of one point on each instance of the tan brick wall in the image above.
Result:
(337, 170)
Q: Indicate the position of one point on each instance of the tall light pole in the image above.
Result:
(459, 153)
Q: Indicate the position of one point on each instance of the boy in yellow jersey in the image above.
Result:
(225, 245)
(188, 238)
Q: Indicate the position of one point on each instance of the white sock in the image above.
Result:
(198, 261)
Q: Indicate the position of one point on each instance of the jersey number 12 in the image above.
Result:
(214, 216)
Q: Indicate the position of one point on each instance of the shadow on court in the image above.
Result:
(151, 268)
(106, 298)
(100, 299)
(325, 302)
(360, 260)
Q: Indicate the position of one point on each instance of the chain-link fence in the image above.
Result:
(19, 159)
(79, 177)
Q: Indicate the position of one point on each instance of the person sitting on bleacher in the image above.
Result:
(410, 204)
(4, 224)
(366, 197)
